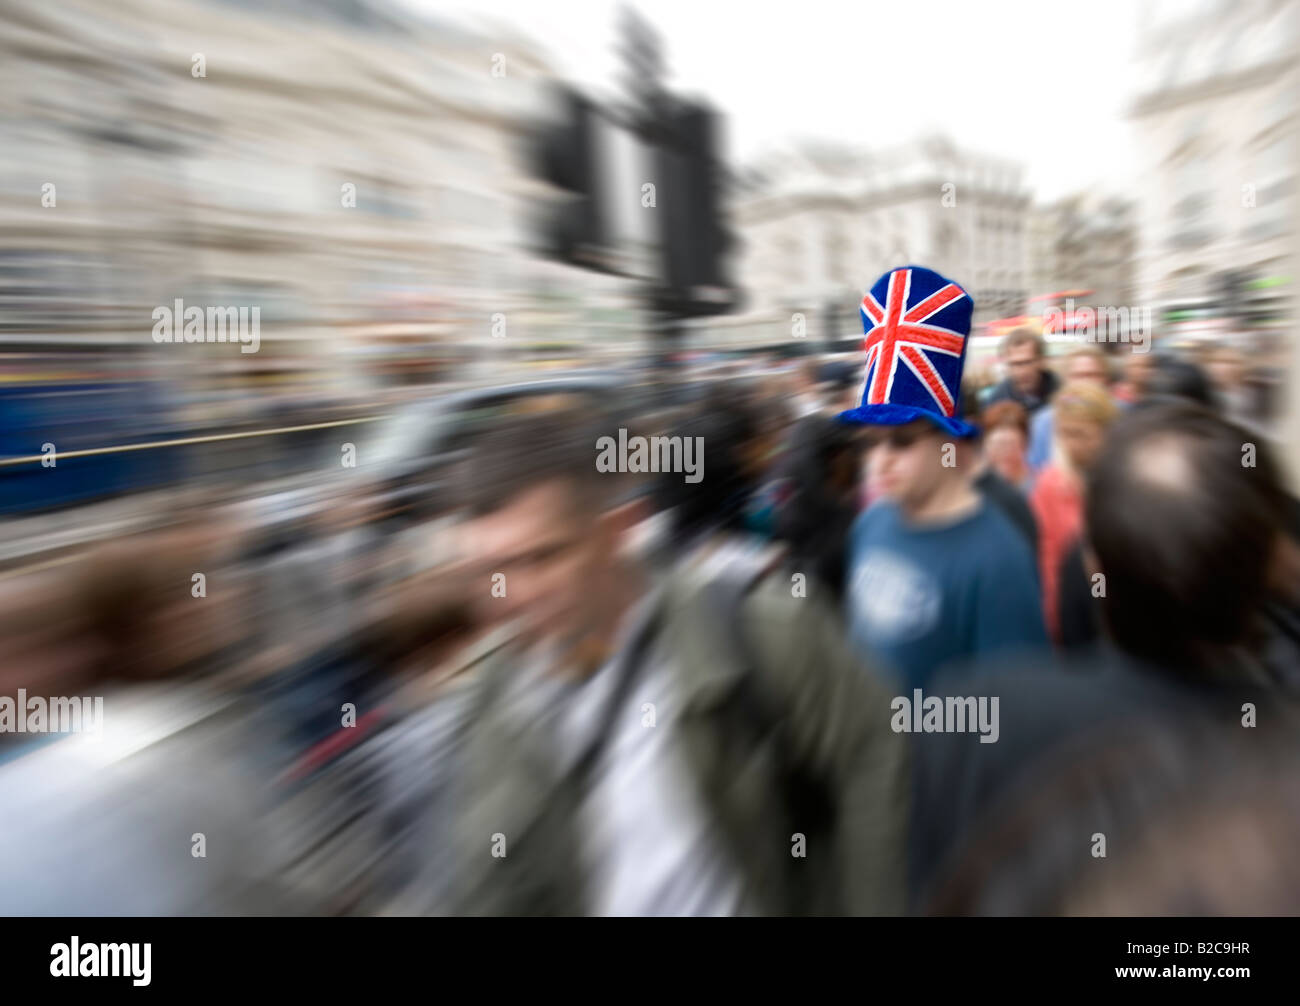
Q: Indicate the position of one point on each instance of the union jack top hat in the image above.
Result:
(916, 324)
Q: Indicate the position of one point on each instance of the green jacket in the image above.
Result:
(833, 736)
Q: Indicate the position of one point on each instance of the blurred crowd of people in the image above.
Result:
(554, 690)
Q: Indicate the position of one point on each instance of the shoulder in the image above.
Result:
(999, 535)
(1054, 489)
(999, 391)
(878, 515)
(1013, 502)
(1047, 485)
(994, 486)
(992, 522)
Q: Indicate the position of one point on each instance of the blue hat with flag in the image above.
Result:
(916, 326)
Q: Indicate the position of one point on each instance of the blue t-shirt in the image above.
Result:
(922, 597)
(1041, 431)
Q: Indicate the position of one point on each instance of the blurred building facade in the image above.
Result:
(818, 223)
(1216, 115)
(355, 172)
(1085, 241)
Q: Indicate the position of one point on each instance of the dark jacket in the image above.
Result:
(1007, 391)
(1011, 501)
(1062, 725)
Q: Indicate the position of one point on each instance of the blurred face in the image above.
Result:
(1226, 370)
(1087, 368)
(1139, 371)
(1005, 449)
(1081, 440)
(905, 463)
(1024, 367)
(553, 554)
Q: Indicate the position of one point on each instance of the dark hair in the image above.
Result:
(815, 517)
(841, 374)
(1175, 378)
(522, 451)
(1184, 532)
(729, 423)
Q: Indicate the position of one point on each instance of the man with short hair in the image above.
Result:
(1029, 381)
(1186, 542)
(1187, 537)
(937, 573)
(648, 743)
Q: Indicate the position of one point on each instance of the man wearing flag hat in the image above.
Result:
(937, 574)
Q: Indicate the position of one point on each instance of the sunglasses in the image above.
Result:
(898, 437)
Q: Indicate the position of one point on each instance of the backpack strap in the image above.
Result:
(806, 799)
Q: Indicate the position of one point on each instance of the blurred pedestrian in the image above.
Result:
(649, 741)
(937, 573)
(1173, 378)
(1137, 372)
(1188, 539)
(1005, 427)
(1029, 381)
(104, 813)
(1225, 365)
(1005, 495)
(1084, 412)
(1085, 363)
(1188, 542)
(819, 499)
(843, 384)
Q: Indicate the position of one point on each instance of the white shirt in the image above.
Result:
(649, 844)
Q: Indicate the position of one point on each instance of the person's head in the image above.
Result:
(1022, 356)
(136, 593)
(1005, 427)
(542, 523)
(1226, 367)
(1184, 531)
(843, 382)
(1137, 372)
(906, 464)
(1172, 377)
(755, 424)
(733, 433)
(1083, 412)
(823, 459)
(1087, 363)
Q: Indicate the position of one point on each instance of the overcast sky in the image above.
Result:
(1044, 83)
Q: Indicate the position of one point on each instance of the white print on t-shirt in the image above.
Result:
(897, 600)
